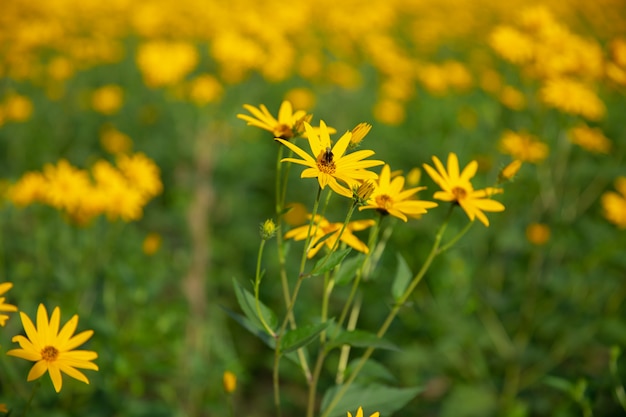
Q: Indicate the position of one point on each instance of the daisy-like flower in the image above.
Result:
(330, 165)
(287, 126)
(359, 413)
(390, 198)
(53, 350)
(4, 307)
(322, 227)
(458, 188)
(572, 97)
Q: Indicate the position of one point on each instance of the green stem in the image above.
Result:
(32, 395)
(257, 284)
(392, 314)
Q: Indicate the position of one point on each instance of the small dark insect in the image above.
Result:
(328, 156)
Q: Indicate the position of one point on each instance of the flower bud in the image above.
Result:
(358, 133)
(361, 193)
(267, 229)
(509, 171)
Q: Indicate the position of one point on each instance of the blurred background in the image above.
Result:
(518, 320)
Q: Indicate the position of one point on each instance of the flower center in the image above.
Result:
(459, 193)
(325, 162)
(384, 202)
(49, 353)
(283, 131)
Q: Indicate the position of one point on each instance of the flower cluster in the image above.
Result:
(119, 191)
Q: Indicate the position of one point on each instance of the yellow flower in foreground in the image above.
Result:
(359, 413)
(329, 165)
(390, 198)
(322, 227)
(458, 188)
(614, 204)
(4, 287)
(53, 350)
(288, 124)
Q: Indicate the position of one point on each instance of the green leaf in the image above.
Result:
(247, 303)
(323, 265)
(560, 384)
(302, 336)
(360, 338)
(372, 398)
(246, 324)
(402, 278)
(373, 371)
(348, 269)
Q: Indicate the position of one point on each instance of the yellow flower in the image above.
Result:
(4, 287)
(53, 350)
(523, 146)
(538, 233)
(18, 108)
(151, 243)
(142, 173)
(511, 44)
(166, 63)
(113, 141)
(359, 132)
(359, 413)
(572, 97)
(3, 408)
(389, 111)
(205, 89)
(512, 98)
(390, 198)
(287, 126)
(614, 204)
(107, 99)
(29, 189)
(590, 139)
(66, 186)
(322, 227)
(229, 382)
(458, 188)
(302, 98)
(329, 165)
(509, 171)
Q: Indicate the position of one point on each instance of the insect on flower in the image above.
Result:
(327, 157)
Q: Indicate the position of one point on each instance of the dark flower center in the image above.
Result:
(49, 353)
(459, 193)
(325, 162)
(283, 131)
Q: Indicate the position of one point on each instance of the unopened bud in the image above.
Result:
(359, 132)
(509, 171)
(268, 229)
(361, 193)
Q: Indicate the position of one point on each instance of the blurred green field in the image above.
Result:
(524, 317)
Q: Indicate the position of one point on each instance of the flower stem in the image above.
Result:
(257, 284)
(434, 251)
(32, 395)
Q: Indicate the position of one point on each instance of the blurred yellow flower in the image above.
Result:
(512, 98)
(107, 99)
(538, 233)
(511, 44)
(572, 97)
(389, 197)
(60, 68)
(458, 188)
(359, 413)
(288, 125)
(414, 176)
(17, 108)
(301, 98)
(141, 172)
(590, 139)
(3, 408)
(229, 382)
(54, 350)
(205, 89)
(330, 166)
(510, 171)
(523, 146)
(614, 204)
(164, 63)
(66, 186)
(5, 307)
(390, 112)
(114, 195)
(322, 227)
(151, 243)
(113, 141)
(296, 214)
(29, 189)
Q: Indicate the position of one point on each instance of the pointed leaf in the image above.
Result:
(348, 269)
(373, 371)
(386, 400)
(245, 323)
(302, 336)
(402, 278)
(247, 303)
(360, 338)
(324, 265)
